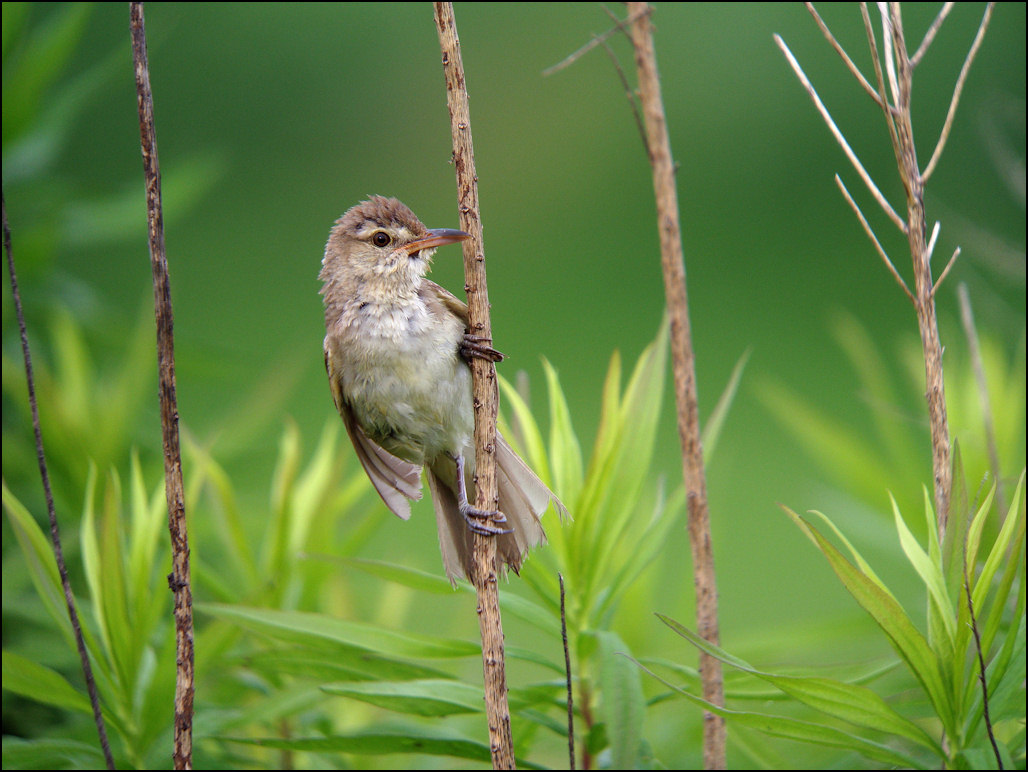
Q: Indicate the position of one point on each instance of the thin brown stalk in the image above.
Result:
(573, 57)
(874, 239)
(931, 346)
(945, 271)
(929, 36)
(567, 672)
(876, 61)
(55, 533)
(957, 91)
(982, 679)
(178, 580)
(971, 331)
(879, 196)
(630, 95)
(684, 369)
(845, 57)
(484, 392)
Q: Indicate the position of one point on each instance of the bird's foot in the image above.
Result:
(477, 347)
(480, 521)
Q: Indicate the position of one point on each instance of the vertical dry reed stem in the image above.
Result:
(684, 368)
(924, 302)
(55, 533)
(484, 391)
(178, 580)
(899, 67)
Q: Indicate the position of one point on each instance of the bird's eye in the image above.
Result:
(380, 239)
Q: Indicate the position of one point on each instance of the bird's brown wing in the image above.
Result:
(398, 482)
(442, 302)
(430, 291)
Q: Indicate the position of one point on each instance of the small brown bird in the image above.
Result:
(396, 350)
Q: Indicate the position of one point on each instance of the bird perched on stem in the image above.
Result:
(396, 351)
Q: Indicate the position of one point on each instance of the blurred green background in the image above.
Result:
(273, 119)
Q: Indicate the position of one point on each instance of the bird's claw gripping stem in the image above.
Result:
(477, 347)
(480, 521)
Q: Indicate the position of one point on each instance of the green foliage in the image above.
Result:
(942, 665)
(894, 455)
(271, 663)
(124, 622)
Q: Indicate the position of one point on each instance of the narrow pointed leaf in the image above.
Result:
(420, 698)
(802, 731)
(855, 704)
(314, 628)
(893, 620)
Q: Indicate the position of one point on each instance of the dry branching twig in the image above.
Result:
(486, 398)
(619, 26)
(178, 580)
(55, 533)
(896, 108)
(684, 369)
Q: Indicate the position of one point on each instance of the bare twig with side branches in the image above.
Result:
(898, 72)
(178, 580)
(55, 533)
(684, 368)
(485, 396)
(619, 26)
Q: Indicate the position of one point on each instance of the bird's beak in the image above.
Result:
(436, 238)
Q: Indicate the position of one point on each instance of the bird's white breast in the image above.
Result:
(400, 370)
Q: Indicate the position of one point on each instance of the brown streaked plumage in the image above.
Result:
(394, 350)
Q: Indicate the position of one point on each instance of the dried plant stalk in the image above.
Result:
(179, 578)
(684, 368)
(898, 72)
(486, 398)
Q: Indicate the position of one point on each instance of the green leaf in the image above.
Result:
(45, 57)
(862, 564)
(712, 431)
(840, 450)
(942, 612)
(404, 575)
(997, 555)
(957, 535)
(50, 753)
(377, 743)
(42, 565)
(623, 706)
(326, 663)
(890, 616)
(304, 627)
(854, 704)
(803, 731)
(565, 452)
(420, 698)
(42, 684)
(666, 515)
(534, 451)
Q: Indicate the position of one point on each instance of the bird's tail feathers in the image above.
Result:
(523, 498)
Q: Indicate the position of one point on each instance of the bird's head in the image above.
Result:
(382, 241)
